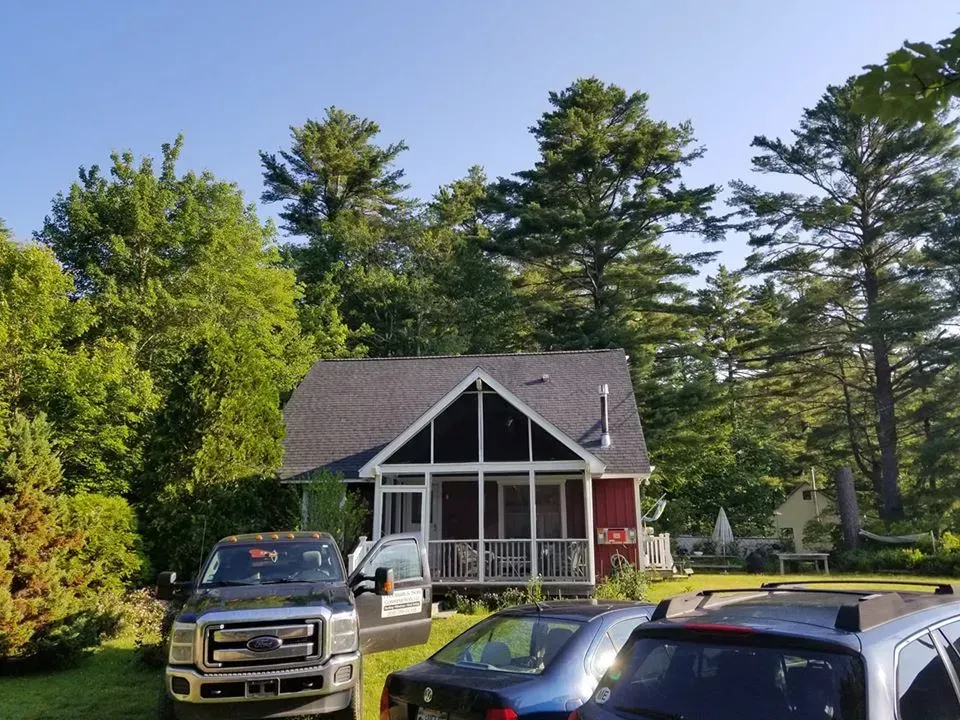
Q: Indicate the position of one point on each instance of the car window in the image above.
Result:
(507, 643)
(951, 637)
(603, 655)
(273, 562)
(654, 677)
(619, 632)
(924, 690)
(609, 645)
(403, 556)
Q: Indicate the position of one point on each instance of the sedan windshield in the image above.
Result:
(273, 562)
(510, 643)
(656, 678)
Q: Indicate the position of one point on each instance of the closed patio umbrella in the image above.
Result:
(722, 532)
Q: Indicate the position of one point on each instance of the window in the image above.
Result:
(402, 556)
(924, 689)
(808, 495)
(505, 433)
(273, 561)
(415, 450)
(603, 655)
(455, 436)
(691, 679)
(613, 639)
(547, 447)
(621, 631)
(951, 637)
(505, 643)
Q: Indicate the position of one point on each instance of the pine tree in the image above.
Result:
(34, 590)
(850, 254)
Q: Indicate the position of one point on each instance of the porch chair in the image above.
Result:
(577, 562)
(468, 561)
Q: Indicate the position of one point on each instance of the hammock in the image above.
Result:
(901, 539)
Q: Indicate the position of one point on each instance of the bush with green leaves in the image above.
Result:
(182, 524)
(625, 583)
(331, 509)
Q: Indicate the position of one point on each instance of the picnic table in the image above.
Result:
(815, 557)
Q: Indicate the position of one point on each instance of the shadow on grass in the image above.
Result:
(108, 684)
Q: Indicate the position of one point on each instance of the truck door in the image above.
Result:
(402, 618)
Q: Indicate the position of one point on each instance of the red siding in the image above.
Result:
(614, 506)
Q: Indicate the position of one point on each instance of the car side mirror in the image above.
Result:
(166, 585)
(383, 581)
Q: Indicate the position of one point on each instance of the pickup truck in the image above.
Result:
(273, 626)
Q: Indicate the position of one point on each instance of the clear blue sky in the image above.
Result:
(459, 81)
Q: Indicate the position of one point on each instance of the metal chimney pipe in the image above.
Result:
(604, 417)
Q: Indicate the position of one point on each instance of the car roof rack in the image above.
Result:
(940, 588)
(873, 607)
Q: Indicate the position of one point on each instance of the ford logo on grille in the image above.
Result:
(264, 643)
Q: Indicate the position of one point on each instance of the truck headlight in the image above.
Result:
(181, 643)
(343, 633)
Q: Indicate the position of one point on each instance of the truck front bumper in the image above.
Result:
(264, 694)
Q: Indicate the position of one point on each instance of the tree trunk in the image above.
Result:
(847, 507)
(892, 505)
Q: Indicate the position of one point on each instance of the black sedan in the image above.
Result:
(538, 661)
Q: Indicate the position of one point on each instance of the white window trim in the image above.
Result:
(370, 468)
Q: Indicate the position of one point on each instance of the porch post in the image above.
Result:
(533, 524)
(426, 510)
(588, 523)
(481, 555)
(377, 505)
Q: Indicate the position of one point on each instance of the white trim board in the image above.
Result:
(592, 462)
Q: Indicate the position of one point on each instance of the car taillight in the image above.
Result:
(500, 714)
(384, 704)
(575, 715)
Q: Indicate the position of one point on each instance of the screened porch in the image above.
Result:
(499, 495)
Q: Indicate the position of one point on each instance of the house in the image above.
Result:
(803, 504)
(510, 466)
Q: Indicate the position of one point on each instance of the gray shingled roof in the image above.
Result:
(345, 411)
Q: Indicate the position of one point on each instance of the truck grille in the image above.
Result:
(292, 643)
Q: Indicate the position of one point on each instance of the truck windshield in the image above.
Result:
(657, 678)
(505, 643)
(273, 562)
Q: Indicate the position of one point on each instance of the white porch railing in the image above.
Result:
(563, 560)
(656, 550)
(509, 561)
(454, 560)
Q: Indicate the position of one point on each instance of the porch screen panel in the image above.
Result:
(549, 524)
(546, 447)
(575, 523)
(505, 437)
(455, 437)
(415, 450)
(458, 506)
(516, 511)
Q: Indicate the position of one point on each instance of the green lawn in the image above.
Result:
(110, 685)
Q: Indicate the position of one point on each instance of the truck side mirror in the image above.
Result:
(166, 585)
(383, 581)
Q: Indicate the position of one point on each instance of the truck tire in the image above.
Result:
(354, 711)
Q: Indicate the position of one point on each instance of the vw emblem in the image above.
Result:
(264, 643)
(428, 695)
